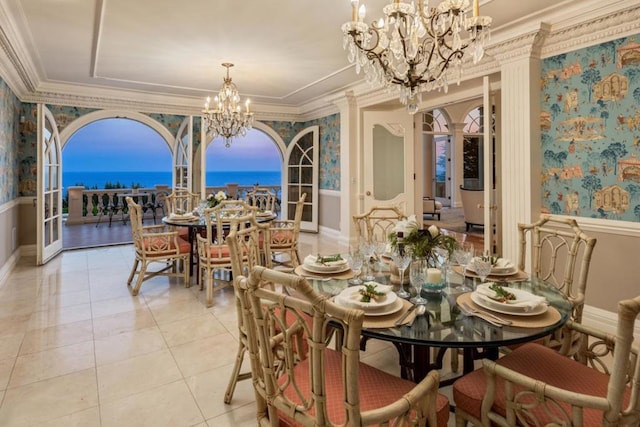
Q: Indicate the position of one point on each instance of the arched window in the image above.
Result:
(437, 148)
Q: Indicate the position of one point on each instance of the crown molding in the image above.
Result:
(569, 35)
(19, 76)
(528, 44)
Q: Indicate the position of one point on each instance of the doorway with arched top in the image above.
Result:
(110, 153)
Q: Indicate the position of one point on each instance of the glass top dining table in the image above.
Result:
(445, 326)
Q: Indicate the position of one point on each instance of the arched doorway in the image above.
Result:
(107, 150)
(252, 159)
(255, 159)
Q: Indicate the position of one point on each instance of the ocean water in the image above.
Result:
(149, 179)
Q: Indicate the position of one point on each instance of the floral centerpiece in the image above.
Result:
(214, 199)
(420, 242)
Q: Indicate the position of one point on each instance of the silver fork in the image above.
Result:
(484, 315)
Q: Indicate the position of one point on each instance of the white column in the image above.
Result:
(520, 142)
(457, 153)
(350, 170)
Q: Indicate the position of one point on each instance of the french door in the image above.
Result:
(441, 156)
(388, 160)
(301, 176)
(49, 192)
(182, 155)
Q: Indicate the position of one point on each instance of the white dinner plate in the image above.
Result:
(311, 265)
(182, 217)
(393, 308)
(489, 304)
(350, 297)
(504, 267)
(510, 272)
(324, 270)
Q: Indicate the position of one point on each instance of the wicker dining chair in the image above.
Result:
(213, 251)
(377, 223)
(561, 255)
(248, 243)
(263, 199)
(330, 387)
(535, 385)
(154, 244)
(181, 201)
(285, 234)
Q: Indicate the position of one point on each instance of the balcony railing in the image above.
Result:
(85, 205)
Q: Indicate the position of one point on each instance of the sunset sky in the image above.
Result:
(127, 145)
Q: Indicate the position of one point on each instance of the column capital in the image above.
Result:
(348, 100)
(526, 45)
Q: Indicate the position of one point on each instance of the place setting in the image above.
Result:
(502, 270)
(331, 266)
(381, 305)
(502, 305)
(183, 217)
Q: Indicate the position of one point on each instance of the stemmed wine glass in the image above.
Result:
(402, 261)
(463, 256)
(355, 260)
(482, 267)
(417, 278)
(367, 249)
(443, 256)
(380, 248)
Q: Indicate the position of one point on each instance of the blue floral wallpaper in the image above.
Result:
(590, 122)
(329, 174)
(9, 137)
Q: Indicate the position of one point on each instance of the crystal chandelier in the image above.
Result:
(226, 118)
(415, 49)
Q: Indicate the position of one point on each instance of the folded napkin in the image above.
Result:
(182, 216)
(503, 264)
(351, 297)
(312, 260)
(525, 300)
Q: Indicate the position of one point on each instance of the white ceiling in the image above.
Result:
(286, 53)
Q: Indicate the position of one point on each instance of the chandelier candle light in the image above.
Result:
(226, 119)
(414, 49)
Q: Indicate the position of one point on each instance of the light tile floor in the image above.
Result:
(76, 349)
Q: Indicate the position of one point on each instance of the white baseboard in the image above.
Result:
(9, 265)
(28, 250)
(605, 321)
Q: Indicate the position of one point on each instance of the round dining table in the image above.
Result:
(422, 343)
(197, 224)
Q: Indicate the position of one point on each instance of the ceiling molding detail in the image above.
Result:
(19, 77)
(614, 25)
(525, 45)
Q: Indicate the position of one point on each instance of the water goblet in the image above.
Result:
(402, 261)
(367, 249)
(482, 268)
(463, 255)
(355, 260)
(380, 249)
(417, 278)
(442, 256)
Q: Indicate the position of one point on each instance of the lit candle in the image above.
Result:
(247, 105)
(354, 10)
(434, 275)
(476, 8)
(362, 12)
